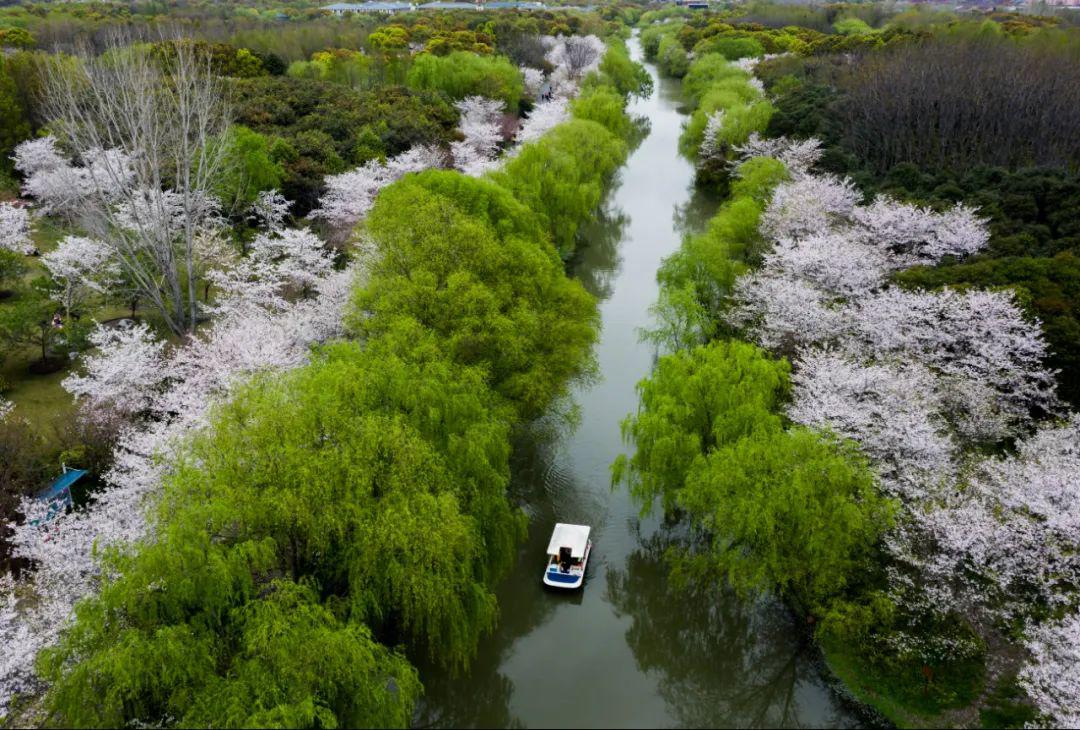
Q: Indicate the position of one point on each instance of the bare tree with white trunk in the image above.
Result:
(148, 124)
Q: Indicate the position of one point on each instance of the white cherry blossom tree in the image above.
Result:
(480, 124)
(798, 156)
(809, 204)
(542, 119)
(270, 210)
(711, 147)
(1016, 522)
(533, 79)
(123, 374)
(350, 195)
(1050, 678)
(783, 313)
(291, 262)
(15, 229)
(78, 267)
(893, 411)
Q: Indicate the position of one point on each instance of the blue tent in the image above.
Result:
(58, 494)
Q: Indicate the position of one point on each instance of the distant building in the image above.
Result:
(390, 8)
(446, 5)
(513, 5)
(375, 7)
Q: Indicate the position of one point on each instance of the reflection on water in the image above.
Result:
(719, 661)
(693, 215)
(596, 265)
(627, 650)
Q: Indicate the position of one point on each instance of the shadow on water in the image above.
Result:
(595, 262)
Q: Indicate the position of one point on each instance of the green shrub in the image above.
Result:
(462, 74)
(672, 58)
(732, 48)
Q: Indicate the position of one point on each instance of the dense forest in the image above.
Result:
(290, 287)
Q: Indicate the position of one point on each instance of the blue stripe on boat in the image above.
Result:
(562, 577)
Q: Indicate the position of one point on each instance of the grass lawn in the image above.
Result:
(37, 398)
(905, 698)
(40, 399)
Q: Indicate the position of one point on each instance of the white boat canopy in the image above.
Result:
(575, 537)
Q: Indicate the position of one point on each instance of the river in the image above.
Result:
(628, 650)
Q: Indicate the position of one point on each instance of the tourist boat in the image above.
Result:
(568, 554)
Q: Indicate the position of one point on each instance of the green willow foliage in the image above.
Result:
(360, 502)
(794, 512)
(620, 72)
(672, 58)
(248, 169)
(771, 507)
(695, 401)
(713, 85)
(697, 279)
(604, 106)
(462, 74)
(561, 177)
(462, 258)
(375, 479)
(779, 509)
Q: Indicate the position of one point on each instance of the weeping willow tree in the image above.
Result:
(464, 259)
(772, 508)
(360, 498)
